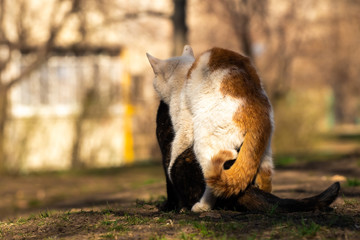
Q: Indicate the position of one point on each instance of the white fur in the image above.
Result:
(212, 113)
(169, 79)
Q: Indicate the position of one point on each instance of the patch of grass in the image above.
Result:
(225, 237)
(45, 214)
(183, 222)
(161, 220)
(156, 237)
(350, 202)
(227, 227)
(106, 222)
(150, 181)
(252, 237)
(187, 236)
(114, 225)
(115, 221)
(118, 227)
(21, 220)
(348, 137)
(135, 220)
(272, 210)
(34, 203)
(31, 217)
(108, 236)
(107, 212)
(203, 229)
(66, 216)
(352, 182)
(206, 230)
(308, 230)
(283, 161)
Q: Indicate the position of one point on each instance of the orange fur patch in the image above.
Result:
(253, 119)
(226, 59)
(263, 179)
(215, 178)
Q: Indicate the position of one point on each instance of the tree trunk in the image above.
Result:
(75, 154)
(3, 117)
(179, 26)
(344, 105)
(245, 37)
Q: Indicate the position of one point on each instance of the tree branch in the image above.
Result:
(137, 15)
(44, 51)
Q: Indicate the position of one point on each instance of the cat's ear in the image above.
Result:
(154, 62)
(188, 51)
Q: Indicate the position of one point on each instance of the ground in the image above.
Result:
(121, 203)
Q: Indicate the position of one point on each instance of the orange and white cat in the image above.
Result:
(218, 105)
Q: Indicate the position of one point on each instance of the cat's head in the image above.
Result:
(170, 74)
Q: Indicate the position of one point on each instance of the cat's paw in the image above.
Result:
(167, 206)
(200, 207)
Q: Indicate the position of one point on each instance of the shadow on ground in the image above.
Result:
(120, 203)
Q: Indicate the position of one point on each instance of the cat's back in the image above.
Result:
(212, 108)
(223, 71)
(220, 86)
(222, 76)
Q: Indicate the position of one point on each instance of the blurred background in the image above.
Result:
(76, 88)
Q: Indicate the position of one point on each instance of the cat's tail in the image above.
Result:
(237, 178)
(256, 200)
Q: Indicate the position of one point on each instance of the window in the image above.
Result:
(59, 86)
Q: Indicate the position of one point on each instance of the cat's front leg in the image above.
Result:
(183, 140)
(206, 202)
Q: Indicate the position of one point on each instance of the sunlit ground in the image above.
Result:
(121, 202)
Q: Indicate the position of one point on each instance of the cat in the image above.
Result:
(218, 105)
(188, 183)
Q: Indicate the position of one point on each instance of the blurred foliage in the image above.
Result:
(353, 182)
(300, 117)
(284, 160)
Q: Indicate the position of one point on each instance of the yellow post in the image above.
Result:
(129, 110)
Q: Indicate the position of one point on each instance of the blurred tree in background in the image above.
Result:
(21, 36)
(307, 53)
(179, 26)
(22, 29)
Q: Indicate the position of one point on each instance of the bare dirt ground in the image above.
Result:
(120, 203)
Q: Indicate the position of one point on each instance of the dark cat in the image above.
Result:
(188, 183)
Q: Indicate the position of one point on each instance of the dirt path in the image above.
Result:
(120, 203)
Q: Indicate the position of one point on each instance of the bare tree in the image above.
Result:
(13, 46)
(243, 15)
(284, 45)
(342, 59)
(179, 26)
(60, 13)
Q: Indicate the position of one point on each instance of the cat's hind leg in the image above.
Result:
(206, 202)
(264, 177)
(208, 199)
